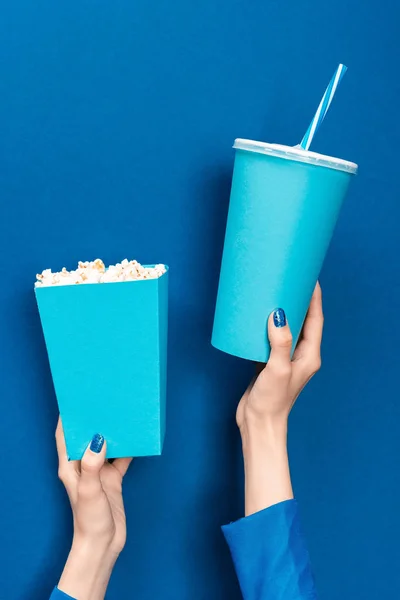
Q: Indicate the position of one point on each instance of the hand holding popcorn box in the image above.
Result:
(107, 348)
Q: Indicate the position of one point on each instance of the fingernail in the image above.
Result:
(279, 318)
(97, 443)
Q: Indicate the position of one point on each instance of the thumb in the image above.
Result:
(280, 338)
(91, 464)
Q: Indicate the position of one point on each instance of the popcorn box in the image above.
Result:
(107, 348)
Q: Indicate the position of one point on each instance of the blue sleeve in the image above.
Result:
(58, 595)
(270, 555)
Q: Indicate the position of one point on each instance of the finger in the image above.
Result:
(91, 465)
(313, 325)
(66, 468)
(280, 339)
(122, 465)
(310, 344)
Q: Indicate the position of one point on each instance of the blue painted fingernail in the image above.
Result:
(279, 318)
(97, 443)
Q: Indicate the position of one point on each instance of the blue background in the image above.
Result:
(116, 125)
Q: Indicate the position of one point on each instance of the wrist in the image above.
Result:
(87, 570)
(98, 554)
(263, 434)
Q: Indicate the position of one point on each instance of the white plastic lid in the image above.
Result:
(295, 153)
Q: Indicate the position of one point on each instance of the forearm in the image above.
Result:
(267, 546)
(267, 474)
(87, 571)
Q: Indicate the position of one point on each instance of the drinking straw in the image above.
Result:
(323, 107)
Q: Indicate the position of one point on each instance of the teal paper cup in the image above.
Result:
(107, 348)
(283, 209)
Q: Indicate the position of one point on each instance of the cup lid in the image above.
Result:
(296, 153)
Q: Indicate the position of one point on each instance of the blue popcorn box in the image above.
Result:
(107, 349)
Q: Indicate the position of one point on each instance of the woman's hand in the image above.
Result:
(265, 406)
(94, 488)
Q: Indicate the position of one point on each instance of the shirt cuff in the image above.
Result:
(59, 595)
(270, 555)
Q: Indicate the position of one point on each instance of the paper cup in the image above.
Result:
(283, 209)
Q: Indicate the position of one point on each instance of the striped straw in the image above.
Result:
(323, 107)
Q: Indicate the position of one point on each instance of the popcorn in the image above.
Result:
(96, 272)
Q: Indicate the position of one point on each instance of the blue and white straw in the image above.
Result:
(323, 107)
